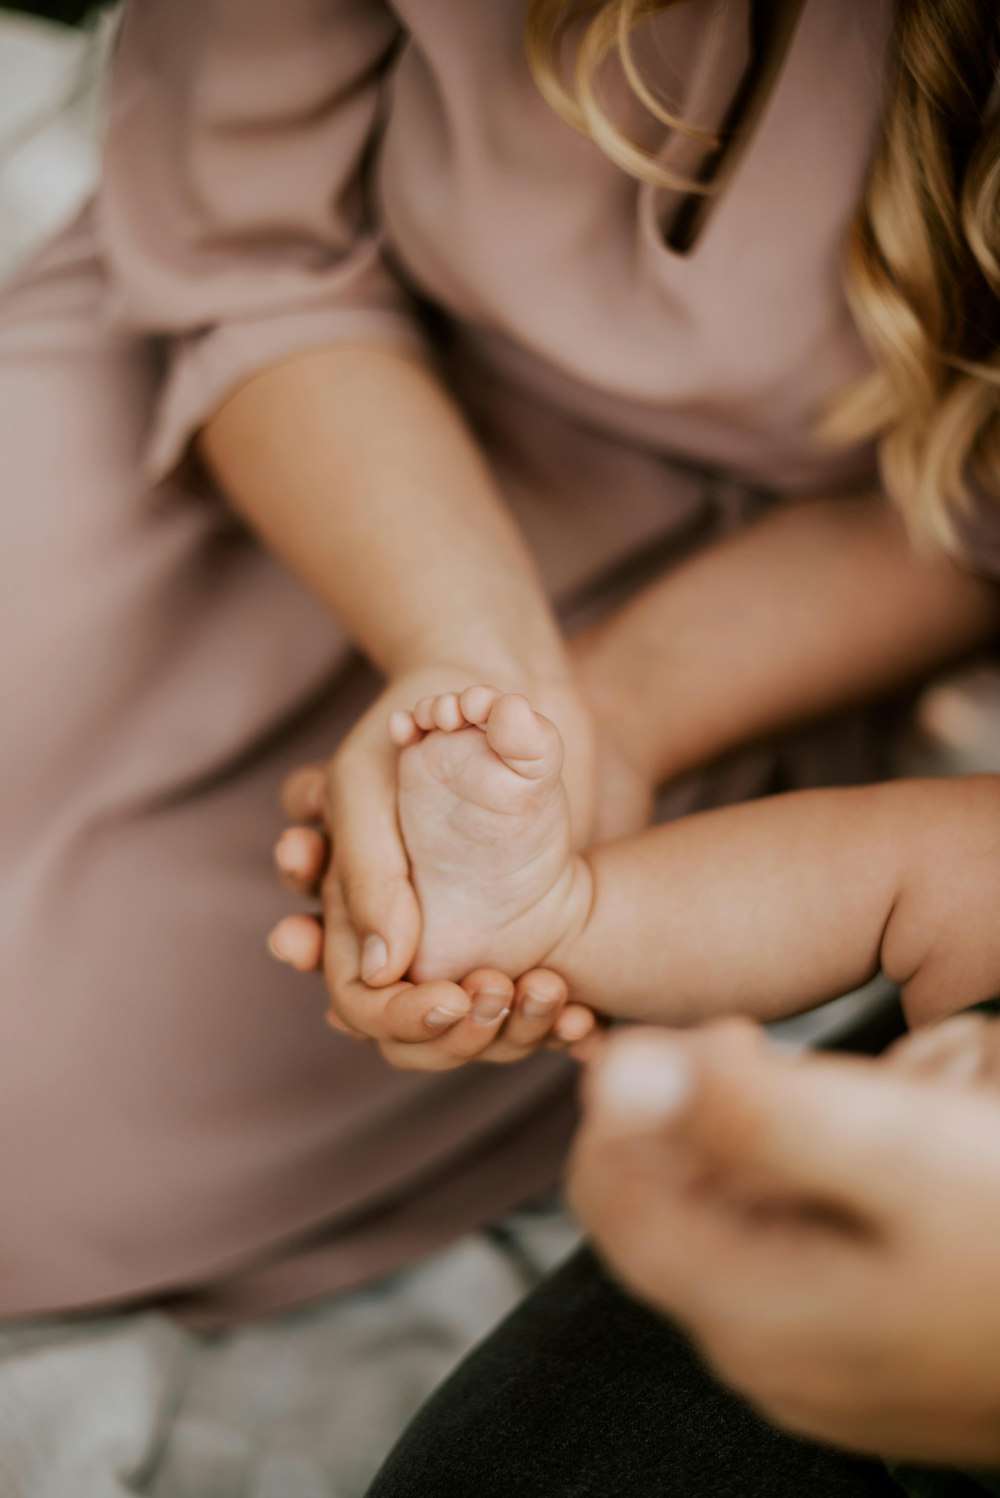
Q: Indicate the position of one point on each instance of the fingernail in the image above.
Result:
(439, 1017)
(374, 956)
(274, 948)
(644, 1084)
(537, 1006)
(489, 1007)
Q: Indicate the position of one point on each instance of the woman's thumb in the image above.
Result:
(827, 1126)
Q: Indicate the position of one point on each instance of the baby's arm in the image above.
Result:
(772, 907)
(819, 604)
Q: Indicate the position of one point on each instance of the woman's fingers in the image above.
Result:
(303, 792)
(536, 1002)
(591, 1047)
(573, 1028)
(415, 1015)
(403, 1017)
(627, 1178)
(403, 1013)
(490, 995)
(540, 1017)
(372, 869)
(691, 1195)
(302, 855)
(445, 1023)
(831, 1135)
(438, 1026)
(298, 941)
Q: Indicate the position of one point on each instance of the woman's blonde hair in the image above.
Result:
(922, 267)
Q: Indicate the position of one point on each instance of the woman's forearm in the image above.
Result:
(820, 604)
(355, 468)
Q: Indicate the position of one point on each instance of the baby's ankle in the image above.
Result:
(573, 905)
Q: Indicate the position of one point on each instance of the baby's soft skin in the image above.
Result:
(764, 909)
(486, 824)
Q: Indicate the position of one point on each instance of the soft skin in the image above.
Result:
(762, 909)
(826, 1229)
(818, 605)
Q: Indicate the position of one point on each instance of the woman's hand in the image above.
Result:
(371, 921)
(965, 1048)
(435, 1026)
(357, 791)
(825, 1228)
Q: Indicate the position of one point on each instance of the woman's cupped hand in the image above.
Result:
(345, 849)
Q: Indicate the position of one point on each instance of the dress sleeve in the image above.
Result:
(235, 209)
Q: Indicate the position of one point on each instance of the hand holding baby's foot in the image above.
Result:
(491, 811)
(436, 1026)
(486, 824)
(507, 1022)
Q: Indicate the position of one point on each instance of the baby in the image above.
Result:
(764, 909)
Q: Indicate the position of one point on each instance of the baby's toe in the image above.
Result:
(446, 713)
(403, 729)
(476, 703)
(525, 740)
(423, 713)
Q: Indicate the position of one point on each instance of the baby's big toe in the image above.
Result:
(525, 740)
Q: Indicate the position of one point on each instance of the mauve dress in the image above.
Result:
(280, 174)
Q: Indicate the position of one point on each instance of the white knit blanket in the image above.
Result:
(301, 1406)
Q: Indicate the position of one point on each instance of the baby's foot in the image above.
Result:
(486, 824)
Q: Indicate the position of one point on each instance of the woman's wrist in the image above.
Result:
(626, 683)
(519, 649)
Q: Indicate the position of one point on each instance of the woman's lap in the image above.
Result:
(179, 1108)
(583, 1392)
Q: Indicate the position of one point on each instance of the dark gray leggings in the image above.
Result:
(582, 1393)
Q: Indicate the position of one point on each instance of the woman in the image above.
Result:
(354, 295)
